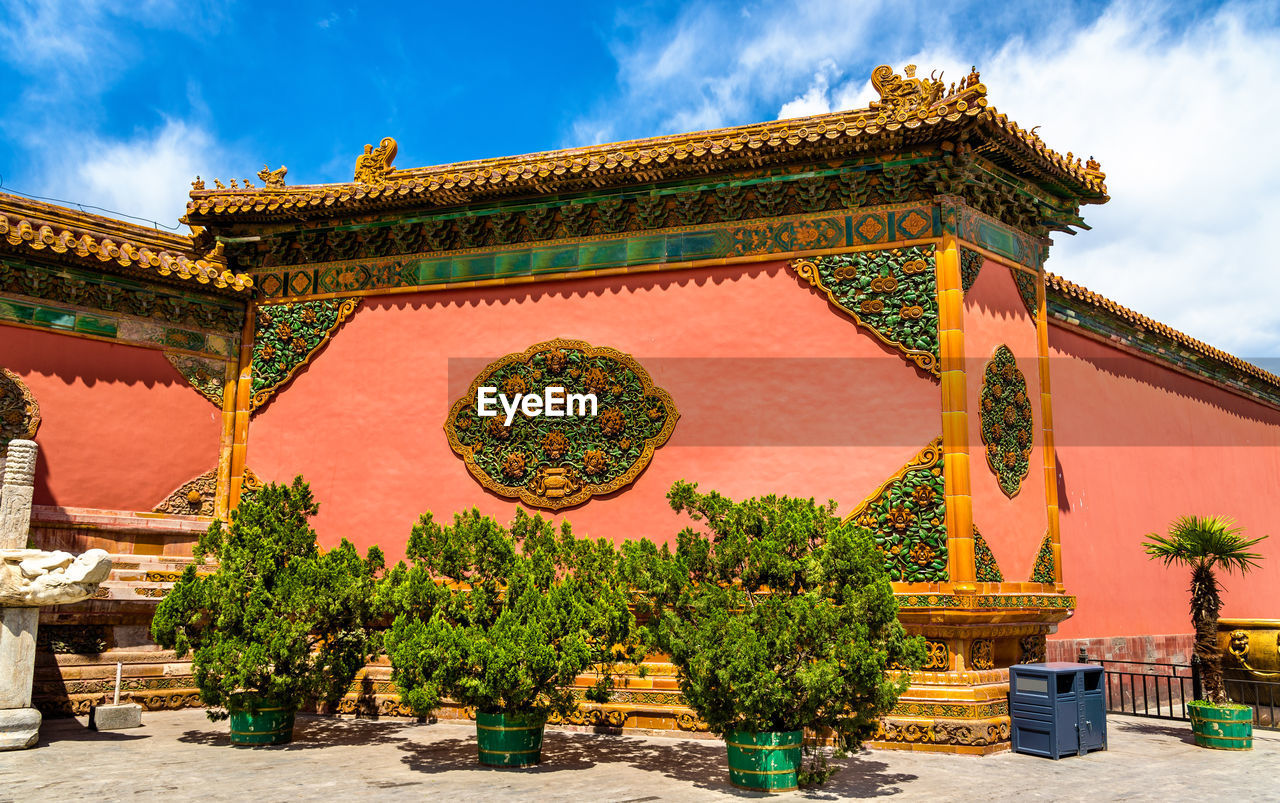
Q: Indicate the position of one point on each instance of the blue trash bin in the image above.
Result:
(1057, 709)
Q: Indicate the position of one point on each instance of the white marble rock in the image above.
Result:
(19, 728)
(115, 717)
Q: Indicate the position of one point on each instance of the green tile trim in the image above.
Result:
(970, 225)
(124, 329)
(53, 291)
(797, 234)
(1063, 310)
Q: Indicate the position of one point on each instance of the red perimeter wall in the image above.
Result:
(778, 393)
(120, 427)
(1139, 444)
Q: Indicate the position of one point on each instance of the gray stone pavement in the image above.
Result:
(180, 755)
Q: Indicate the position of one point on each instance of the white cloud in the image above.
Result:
(1174, 102)
(76, 50)
(1181, 124)
(711, 66)
(815, 100)
(148, 176)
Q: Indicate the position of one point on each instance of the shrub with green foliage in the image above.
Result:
(505, 619)
(277, 622)
(778, 616)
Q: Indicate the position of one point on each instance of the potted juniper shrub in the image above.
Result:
(779, 617)
(502, 620)
(278, 624)
(1204, 544)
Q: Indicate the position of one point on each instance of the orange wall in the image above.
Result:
(777, 391)
(1137, 446)
(1013, 527)
(120, 427)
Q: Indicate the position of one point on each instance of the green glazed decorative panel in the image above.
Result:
(970, 265)
(557, 462)
(1027, 287)
(907, 517)
(893, 293)
(1043, 570)
(1005, 415)
(987, 571)
(287, 336)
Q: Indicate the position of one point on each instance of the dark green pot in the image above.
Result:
(510, 740)
(1221, 727)
(765, 762)
(269, 724)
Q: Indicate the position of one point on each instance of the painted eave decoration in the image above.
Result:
(30, 227)
(557, 463)
(910, 111)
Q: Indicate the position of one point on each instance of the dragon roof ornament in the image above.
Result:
(374, 165)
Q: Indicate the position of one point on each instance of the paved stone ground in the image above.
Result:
(180, 755)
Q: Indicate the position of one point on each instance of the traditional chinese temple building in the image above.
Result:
(850, 306)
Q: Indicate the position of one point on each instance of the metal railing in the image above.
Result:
(1263, 695)
(1150, 689)
(1162, 690)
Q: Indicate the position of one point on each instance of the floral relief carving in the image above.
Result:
(1043, 570)
(986, 569)
(557, 462)
(891, 292)
(287, 336)
(907, 518)
(1006, 419)
(19, 411)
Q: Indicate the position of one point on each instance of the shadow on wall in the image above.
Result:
(583, 288)
(29, 351)
(503, 295)
(1075, 346)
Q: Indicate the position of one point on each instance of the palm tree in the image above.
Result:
(1205, 543)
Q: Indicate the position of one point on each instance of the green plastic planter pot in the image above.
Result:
(510, 740)
(267, 725)
(765, 762)
(1222, 727)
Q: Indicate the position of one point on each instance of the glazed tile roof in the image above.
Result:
(895, 123)
(30, 227)
(1070, 290)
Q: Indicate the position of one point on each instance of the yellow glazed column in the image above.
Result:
(1046, 416)
(244, 395)
(222, 491)
(955, 424)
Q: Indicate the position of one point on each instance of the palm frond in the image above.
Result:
(1209, 541)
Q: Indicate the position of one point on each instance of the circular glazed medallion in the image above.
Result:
(556, 461)
(19, 413)
(1005, 415)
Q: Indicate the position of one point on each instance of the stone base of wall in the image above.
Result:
(1167, 649)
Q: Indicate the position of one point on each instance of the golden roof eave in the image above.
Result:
(661, 158)
(32, 227)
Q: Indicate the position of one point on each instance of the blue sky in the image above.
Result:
(120, 105)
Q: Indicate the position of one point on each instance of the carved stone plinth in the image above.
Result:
(19, 728)
(19, 722)
(960, 702)
(30, 578)
(16, 490)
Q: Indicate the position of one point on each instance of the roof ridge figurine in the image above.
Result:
(374, 165)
